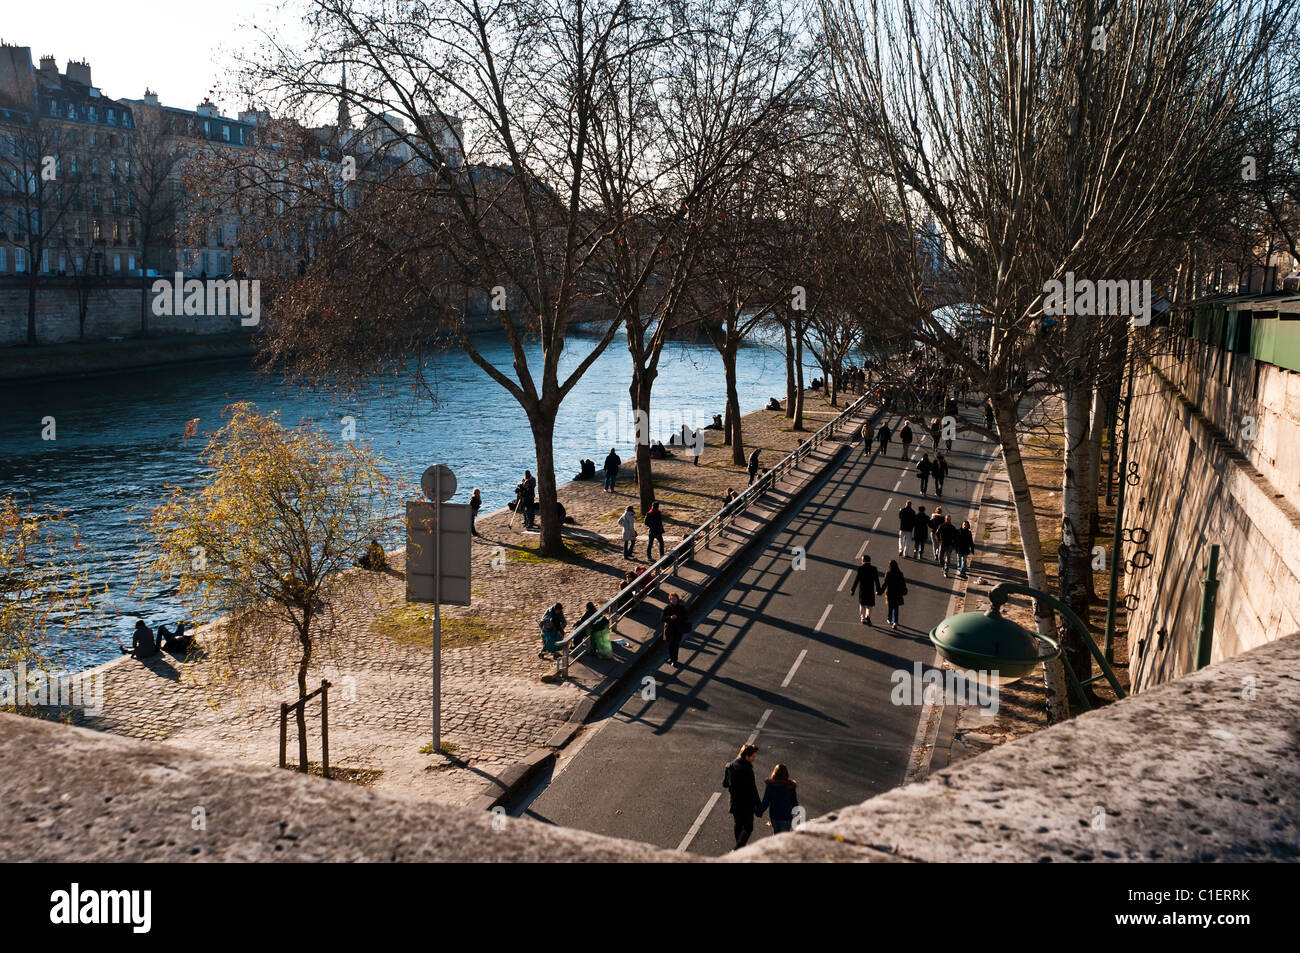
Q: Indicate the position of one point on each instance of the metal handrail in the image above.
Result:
(668, 564)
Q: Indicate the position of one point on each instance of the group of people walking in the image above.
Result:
(654, 524)
(917, 529)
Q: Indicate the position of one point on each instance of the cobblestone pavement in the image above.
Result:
(495, 706)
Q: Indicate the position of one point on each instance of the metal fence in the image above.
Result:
(668, 565)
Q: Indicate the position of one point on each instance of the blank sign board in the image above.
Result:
(423, 565)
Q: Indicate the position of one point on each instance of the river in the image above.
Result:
(120, 439)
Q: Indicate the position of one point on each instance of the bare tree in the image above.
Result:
(1044, 138)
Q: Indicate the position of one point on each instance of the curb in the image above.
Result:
(519, 775)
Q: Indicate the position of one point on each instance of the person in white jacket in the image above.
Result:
(628, 522)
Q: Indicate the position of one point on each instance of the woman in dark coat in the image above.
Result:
(894, 588)
(866, 584)
(782, 796)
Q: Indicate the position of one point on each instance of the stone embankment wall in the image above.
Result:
(1216, 443)
(111, 312)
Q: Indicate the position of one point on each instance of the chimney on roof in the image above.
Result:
(150, 97)
(79, 72)
(206, 108)
(49, 65)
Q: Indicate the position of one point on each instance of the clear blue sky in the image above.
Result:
(180, 50)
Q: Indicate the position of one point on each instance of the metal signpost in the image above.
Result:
(438, 563)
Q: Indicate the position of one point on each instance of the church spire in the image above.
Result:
(345, 118)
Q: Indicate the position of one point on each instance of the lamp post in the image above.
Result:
(987, 641)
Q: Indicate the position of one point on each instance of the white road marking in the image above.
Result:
(699, 822)
(761, 722)
(874, 526)
(794, 668)
(887, 502)
(898, 484)
(822, 620)
(848, 574)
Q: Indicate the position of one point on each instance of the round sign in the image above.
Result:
(438, 483)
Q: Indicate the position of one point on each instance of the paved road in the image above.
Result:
(782, 660)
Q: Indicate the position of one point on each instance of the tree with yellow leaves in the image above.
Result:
(261, 541)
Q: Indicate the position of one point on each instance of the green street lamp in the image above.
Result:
(988, 642)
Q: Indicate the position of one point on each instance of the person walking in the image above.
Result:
(628, 522)
(697, 445)
(936, 431)
(675, 624)
(738, 779)
(865, 584)
(923, 470)
(965, 547)
(894, 588)
(905, 437)
(936, 520)
(882, 438)
(475, 504)
(753, 466)
(906, 521)
(780, 797)
(948, 534)
(940, 472)
(920, 533)
(654, 521)
(612, 463)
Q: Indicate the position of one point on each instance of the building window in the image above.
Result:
(117, 232)
(130, 232)
(117, 264)
(4, 264)
(112, 117)
(72, 111)
(20, 260)
(95, 230)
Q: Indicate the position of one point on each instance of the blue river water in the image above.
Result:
(120, 439)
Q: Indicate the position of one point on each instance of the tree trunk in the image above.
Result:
(1006, 416)
(791, 387)
(733, 405)
(798, 377)
(1100, 414)
(301, 710)
(640, 393)
(543, 427)
(31, 307)
(1075, 563)
(144, 301)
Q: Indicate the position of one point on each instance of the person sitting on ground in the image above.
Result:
(176, 641)
(553, 625)
(658, 451)
(586, 470)
(773, 404)
(373, 558)
(142, 642)
(717, 423)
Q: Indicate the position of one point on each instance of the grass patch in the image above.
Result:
(413, 623)
(574, 552)
(446, 748)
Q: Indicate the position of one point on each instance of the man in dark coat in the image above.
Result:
(865, 585)
(739, 780)
(676, 624)
(882, 437)
(654, 522)
(965, 547)
(905, 435)
(906, 520)
(612, 463)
